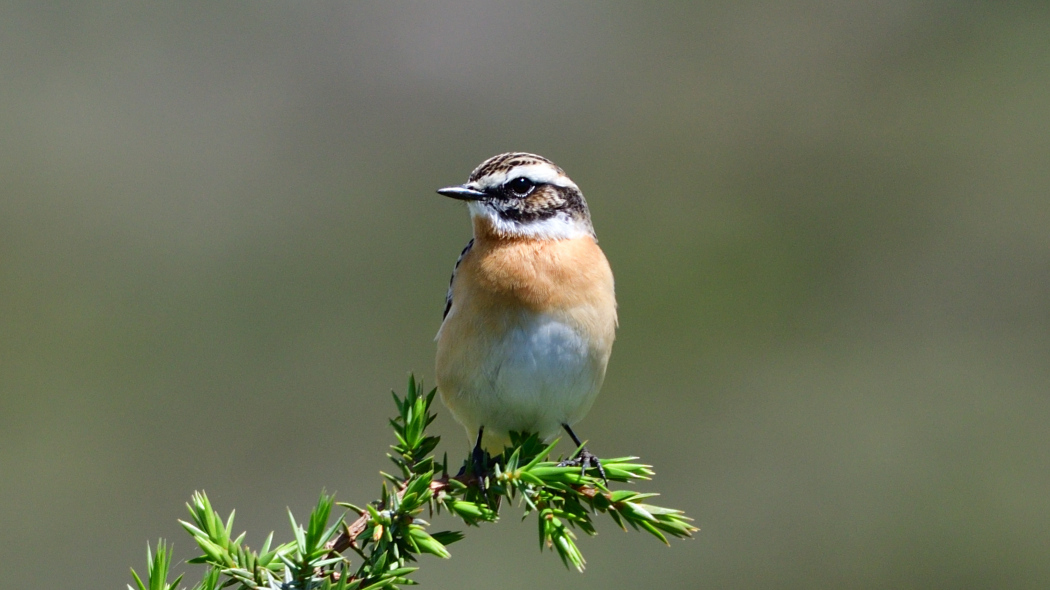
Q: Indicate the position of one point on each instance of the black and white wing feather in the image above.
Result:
(448, 296)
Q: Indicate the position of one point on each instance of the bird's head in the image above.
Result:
(520, 195)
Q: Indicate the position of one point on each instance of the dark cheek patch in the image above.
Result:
(545, 202)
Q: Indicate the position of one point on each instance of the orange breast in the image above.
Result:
(499, 279)
(504, 287)
(539, 274)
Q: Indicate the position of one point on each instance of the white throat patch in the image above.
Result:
(562, 226)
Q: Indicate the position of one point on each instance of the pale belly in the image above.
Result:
(533, 375)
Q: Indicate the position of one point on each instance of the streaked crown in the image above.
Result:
(524, 195)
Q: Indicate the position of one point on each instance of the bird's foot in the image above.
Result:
(585, 460)
(478, 465)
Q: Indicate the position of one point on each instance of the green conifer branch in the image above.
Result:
(389, 534)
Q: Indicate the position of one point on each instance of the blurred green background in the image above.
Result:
(220, 248)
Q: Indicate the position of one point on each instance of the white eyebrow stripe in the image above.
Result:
(537, 173)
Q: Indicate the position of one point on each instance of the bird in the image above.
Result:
(530, 314)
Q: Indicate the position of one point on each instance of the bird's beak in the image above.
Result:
(463, 193)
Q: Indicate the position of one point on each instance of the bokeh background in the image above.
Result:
(220, 248)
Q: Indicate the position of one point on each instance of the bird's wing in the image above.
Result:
(448, 297)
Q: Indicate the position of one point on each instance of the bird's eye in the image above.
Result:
(520, 186)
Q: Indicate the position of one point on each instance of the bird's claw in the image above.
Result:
(585, 460)
(479, 464)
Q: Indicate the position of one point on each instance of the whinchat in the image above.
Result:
(530, 315)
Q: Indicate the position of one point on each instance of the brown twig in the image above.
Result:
(347, 539)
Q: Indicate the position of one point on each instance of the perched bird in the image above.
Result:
(530, 315)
